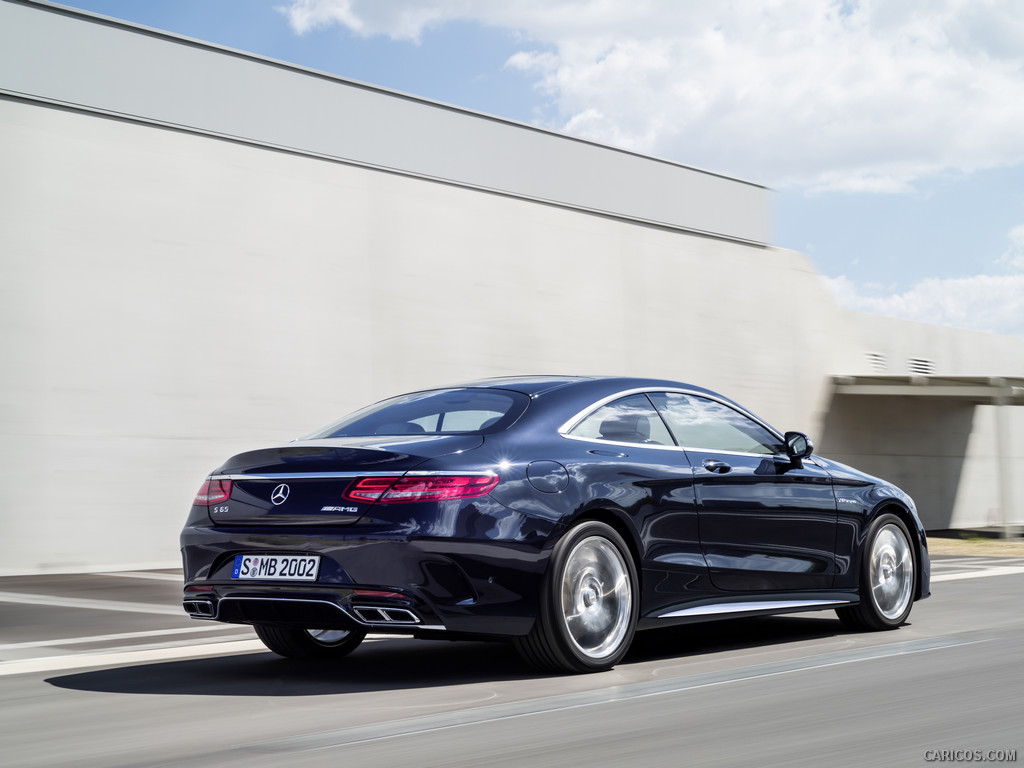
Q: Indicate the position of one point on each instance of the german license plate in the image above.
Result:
(277, 567)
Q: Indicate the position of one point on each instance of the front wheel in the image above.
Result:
(310, 643)
(886, 578)
(588, 606)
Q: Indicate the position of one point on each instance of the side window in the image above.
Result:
(697, 422)
(628, 420)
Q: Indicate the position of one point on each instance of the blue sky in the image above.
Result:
(891, 130)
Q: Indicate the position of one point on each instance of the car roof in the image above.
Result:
(538, 385)
(528, 385)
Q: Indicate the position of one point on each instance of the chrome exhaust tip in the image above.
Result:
(200, 609)
(373, 614)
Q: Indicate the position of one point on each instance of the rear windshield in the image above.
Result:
(437, 412)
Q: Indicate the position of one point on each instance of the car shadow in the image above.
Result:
(385, 665)
(403, 664)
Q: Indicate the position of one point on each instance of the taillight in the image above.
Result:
(213, 492)
(368, 488)
(390, 490)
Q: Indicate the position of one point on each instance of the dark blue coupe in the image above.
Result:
(563, 513)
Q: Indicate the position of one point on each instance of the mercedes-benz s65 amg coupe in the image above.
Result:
(563, 513)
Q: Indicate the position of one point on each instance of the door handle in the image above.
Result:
(714, 465)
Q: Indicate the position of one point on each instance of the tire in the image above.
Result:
(310, 643)
(588, 603)
(887, 578)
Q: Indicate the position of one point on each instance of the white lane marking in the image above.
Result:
(512, 710)
(993, 571)
(62, 663)
(119, 636)
(121, 656)
(976, 562)
(144, 575)
(81, 602)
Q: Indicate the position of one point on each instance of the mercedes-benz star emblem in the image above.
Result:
(280, 494)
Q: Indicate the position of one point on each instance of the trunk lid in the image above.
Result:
(303, 483)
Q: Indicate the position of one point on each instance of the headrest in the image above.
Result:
(626, 427)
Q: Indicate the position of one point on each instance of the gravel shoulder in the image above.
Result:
(976, 546)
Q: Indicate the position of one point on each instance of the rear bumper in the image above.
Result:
(320, 609)
(378, 582)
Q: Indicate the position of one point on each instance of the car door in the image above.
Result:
(628, 457)
(766, 523)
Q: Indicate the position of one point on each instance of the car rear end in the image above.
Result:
(387, 533)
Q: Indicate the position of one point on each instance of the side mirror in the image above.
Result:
(798, 446)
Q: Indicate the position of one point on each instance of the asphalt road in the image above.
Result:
(102, 670)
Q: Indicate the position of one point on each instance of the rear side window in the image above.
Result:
(437, 412)
(630, 419)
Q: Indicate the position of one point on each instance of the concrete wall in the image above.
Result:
(68, 57)
(169, 299)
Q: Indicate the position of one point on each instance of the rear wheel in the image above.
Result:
(310, 643)
(886, 578)
(588, 606)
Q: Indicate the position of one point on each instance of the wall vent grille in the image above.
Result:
(919, 366)
(877, 361)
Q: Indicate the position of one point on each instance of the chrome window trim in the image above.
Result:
(600, 441)
(581, 415)
(719, 451)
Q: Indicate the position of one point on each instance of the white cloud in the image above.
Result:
(1013, 258)
(859, 96)
(990, 303)
(867, 96)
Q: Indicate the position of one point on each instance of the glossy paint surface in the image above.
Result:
(712, 531)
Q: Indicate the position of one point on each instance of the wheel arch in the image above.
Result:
(618, 521)
(894, 507)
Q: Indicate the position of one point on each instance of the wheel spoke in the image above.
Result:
(891, 573)
(596, 597)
